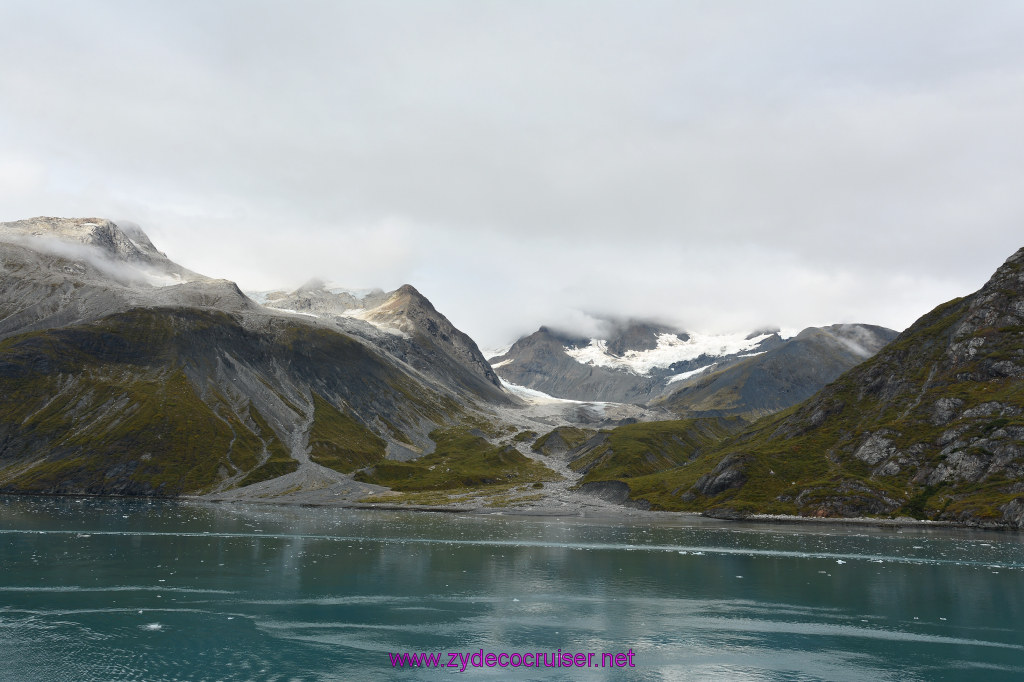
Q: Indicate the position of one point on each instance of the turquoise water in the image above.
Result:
(96, 589)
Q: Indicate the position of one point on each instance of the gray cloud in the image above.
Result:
(718, 165)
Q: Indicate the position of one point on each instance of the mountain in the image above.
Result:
(637, 361)
(123, 373)
(405, 324)
(690, 374)
(932, 426)
(779, 377)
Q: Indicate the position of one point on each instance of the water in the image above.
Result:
(119, 589)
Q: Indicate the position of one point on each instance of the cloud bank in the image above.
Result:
(719, 166)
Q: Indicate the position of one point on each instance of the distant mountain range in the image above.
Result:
(688, 373)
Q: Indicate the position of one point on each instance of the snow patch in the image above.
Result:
(536, 397)
(502, 363)
(496, 352)
(670, 349)
(295, 312)
(686, 375)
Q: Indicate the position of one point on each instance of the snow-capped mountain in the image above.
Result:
(643, 362)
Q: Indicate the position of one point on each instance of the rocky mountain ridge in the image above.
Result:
(932, 426)
(123, 373)
(126, 373)
(686, 373)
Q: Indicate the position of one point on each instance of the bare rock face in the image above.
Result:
(730, 473)
(726, 376)
(1013, 513)
(616, 492)
(408, 310)
(102, 234)
(932, 426)
(103, 240)
(403, 323)
(875, 449)
(122, 372)
(945, 409)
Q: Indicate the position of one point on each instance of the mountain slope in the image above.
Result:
(931, 426)
(405, 324)
(169, 401)
(123, 373)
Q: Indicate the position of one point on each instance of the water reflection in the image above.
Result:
(121, 589)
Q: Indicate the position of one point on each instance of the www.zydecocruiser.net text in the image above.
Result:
(462, 660)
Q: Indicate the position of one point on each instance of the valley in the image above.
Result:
(124, 373)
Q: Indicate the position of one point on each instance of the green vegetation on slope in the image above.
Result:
(561, 440)
(461, 460)
(279, 462)
(931, 427)
(339, 442)
(137, 403)
(650, 447)
(99, 433)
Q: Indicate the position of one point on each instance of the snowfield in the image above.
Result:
(539, 397)
(686, 375)
(670, 349)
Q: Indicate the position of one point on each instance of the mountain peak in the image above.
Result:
(99, 233)
(405, 303)
(409, 290)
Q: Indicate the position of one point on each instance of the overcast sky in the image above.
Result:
(719, 165)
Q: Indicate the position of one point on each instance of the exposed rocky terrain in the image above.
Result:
(124, 373)
(779, 377)
(689, 374)
(930, 427)
(413, 331)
